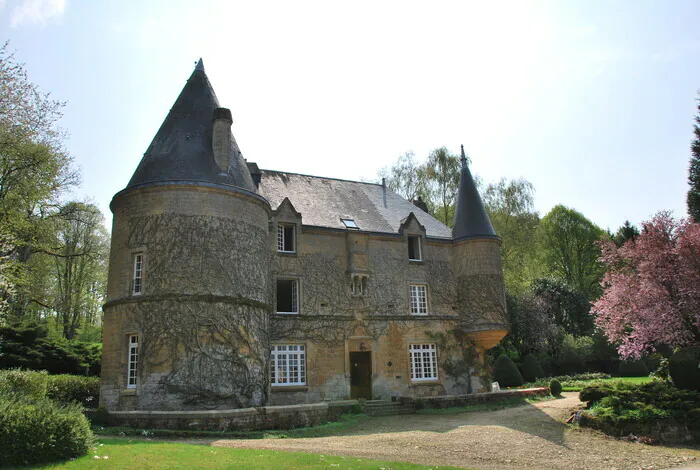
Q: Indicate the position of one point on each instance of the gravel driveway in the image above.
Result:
(529, 436)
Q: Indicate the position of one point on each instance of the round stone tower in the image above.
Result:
(477, 266)
(189, 288)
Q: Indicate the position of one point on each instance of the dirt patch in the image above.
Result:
(529, 436)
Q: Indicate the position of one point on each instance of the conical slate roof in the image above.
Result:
(471, 220)
(182, 148)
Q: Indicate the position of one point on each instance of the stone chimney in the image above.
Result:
(221, 137)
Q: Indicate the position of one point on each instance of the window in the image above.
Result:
(350, 223)
(358, 286)
(133, 361)
(288, 364)
(423, 359)
(286, 238)
(419, 299)
(137, 285)
(287, 296)
(415, 252)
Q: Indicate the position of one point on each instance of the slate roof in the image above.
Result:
(471, 219)
(323, 201)
(182, 148)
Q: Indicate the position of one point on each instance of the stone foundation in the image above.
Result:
(245, 419)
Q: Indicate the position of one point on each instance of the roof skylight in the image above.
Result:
(350, 223)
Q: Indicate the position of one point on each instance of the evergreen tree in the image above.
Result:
(694, 173)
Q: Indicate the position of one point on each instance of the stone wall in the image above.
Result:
(244, 419)
(449, 401)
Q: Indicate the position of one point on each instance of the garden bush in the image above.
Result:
(555, 387)
(506, 373)
(36, 431)
(633, 369)
(74, 388)
(684, 369)
(29, 346)
(621, 408)
(29, 383)
(532, 370)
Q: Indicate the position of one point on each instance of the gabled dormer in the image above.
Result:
(287, 225)
(414, 232)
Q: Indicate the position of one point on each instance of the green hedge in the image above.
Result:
(63, 389)
(34, 431)
(29, 383)
(555, 387)
(506, 373)
(74, 388)
(684, 367)
(633, 369)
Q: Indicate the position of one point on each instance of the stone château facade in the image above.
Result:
(231, 286)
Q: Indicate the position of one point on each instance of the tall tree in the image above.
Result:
(652, 288)
(80, 267)
(511, 208)
(626, 232)
(568, 243)
(694, 172)
(442, 177)
(404, 177)
(34, 168)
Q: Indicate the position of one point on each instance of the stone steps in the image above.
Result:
(387, 408)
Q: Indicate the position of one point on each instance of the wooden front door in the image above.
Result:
(361, 375)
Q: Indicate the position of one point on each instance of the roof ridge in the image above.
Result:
(322, 177)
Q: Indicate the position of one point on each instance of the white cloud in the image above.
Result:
(36, 12)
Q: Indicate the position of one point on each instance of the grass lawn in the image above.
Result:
(130, 453)
(579, 384)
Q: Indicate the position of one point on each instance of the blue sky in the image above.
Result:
(591, 101)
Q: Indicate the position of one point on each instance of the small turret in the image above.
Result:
(471, 219)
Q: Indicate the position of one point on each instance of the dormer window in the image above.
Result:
(415, 250)
(350, 223)
(286, 238)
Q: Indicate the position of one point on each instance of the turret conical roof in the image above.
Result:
(182, 149)
(471, 219)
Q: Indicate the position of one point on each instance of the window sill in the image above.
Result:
(127, 392)
(416, 261)
(287, 253)
(289, 388)
(287, 313)
(415, 383)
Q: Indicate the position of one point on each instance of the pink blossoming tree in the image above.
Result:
(652, 288)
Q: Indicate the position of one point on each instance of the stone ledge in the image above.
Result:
(448, 401)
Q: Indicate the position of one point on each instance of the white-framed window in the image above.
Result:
(415, 250)
(137, 282)
(419, 299)
(132, 370)
(423, 358)
(358, 285)
(287, 296)
(288, 364)
(286, 238)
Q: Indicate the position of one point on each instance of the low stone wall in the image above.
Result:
(245, 419)
(449, 401)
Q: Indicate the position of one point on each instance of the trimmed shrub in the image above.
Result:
(684, 367)
(506, 373)
(74, 388)
(532, 370)
(555, 387)
(633, 369)
(39, 431)
(29, 383)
